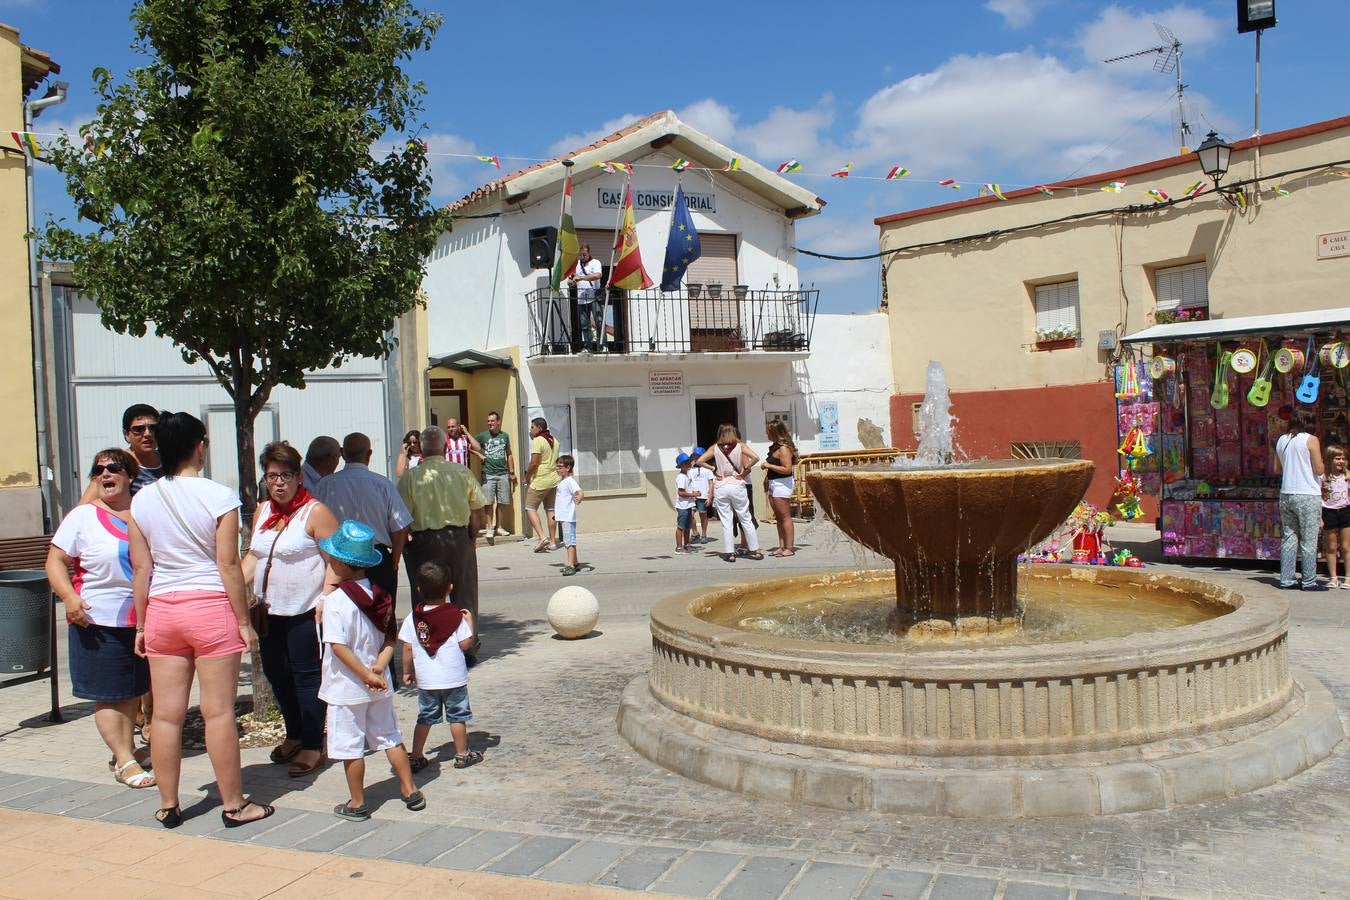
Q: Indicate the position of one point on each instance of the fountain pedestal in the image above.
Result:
(954, 532)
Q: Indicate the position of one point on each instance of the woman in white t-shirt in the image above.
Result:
(92, 543)
(1298, 462)
(191, 614)
(286, 569)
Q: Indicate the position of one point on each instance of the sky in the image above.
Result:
(1008, 91)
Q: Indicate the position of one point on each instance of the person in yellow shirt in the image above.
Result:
(542, 479)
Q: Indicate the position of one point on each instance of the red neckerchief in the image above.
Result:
(547, 435)
(727, 448)
(436, 624)
(284, 513)
(378, 605)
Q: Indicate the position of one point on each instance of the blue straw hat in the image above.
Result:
(682, 459)
(698, 451)
(354, 544)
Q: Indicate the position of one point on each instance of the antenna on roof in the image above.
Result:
(1167, 59)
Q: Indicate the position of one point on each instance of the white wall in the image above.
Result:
(479, 274)
(850, 364)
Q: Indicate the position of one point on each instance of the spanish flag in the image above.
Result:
(568, 245)
(628, 272)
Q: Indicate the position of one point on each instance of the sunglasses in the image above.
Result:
(141, 429)
(112, 468)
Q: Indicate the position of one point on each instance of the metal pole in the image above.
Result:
(1256, 132)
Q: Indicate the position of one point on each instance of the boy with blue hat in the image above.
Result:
(360, 633)
(684, 503)
(701, 480)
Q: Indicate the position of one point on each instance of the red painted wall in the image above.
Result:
(988, 422)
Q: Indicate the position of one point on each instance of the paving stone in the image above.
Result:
(828, 881)
(963, 887)
(431, 845)
(281, 819)
(1127, 787)
(584, 863)
(640, 868)
(895, 883)
(89, 793)
(1021, 890)
(342, 833)
(100, 808)
(27, 799)
(1070, 792)
(978, 794)
(697, 874)
(478, 850)
(1101, 895)
(762, 878)
(139, 813)
(531, 856)
(301, 828)
(384, 840)
(23, 787)
(9, 778)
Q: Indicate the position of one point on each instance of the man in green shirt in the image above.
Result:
(499, 473)
(446, 504)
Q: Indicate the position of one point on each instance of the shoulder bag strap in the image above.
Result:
(172, 507)
(285, 524)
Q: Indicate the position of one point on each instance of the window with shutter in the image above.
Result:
(1057, 310)
(1182, 287)
(607, 444)
(714, 322)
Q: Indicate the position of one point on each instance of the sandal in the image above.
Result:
(170, 817)
(142, 756)
(543, 548)
(141, 779)
(472, 758)
(417, 763)
(755, 555)
(231, 816)
(300, 770)
(351, 813)
(415, 801)
(281, 755)
(727, 557)
(569, 570)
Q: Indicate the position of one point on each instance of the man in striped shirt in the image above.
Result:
(459, 444)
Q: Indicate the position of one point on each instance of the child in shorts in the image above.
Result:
(565, 503)
(684, 503)
(435, 637)
(702, 481)
(359, 633)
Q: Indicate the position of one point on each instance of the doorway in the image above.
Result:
(712, 412)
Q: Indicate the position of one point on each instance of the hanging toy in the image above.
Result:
(1129, 380)
(1126, 497)
(1135, 447)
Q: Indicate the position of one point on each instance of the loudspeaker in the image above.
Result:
(543, 242)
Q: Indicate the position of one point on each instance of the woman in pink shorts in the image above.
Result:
(192, 614)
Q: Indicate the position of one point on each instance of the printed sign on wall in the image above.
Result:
(829, 425)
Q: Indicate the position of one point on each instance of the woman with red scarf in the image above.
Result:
(286, 569)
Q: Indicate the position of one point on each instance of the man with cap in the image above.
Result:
(364, 496)
(446, 503)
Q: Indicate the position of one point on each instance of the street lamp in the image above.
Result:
(1213, 155)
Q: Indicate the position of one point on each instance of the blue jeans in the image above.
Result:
(592, 321)
(1300, 518)
(452, 704)
(291, 661)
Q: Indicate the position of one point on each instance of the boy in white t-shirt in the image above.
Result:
(685, 496)
(359, 632)
(435, 637)
(702, 481)
(567, 498)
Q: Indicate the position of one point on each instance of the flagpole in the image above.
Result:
(618, 222)
(557, 254)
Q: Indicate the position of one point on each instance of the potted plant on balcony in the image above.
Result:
(1056, 337)
(740, 291)
(714, 290)
(694, 289)
(1180, 314)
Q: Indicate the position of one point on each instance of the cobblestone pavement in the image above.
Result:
(561, 798)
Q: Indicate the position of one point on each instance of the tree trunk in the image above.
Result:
(264, 702)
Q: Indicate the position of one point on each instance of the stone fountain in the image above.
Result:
(1137, 716)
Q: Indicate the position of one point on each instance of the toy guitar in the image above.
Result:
(1259, 395)
(1312, 382)
(1219, 398)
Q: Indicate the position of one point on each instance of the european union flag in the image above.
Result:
(682, 247)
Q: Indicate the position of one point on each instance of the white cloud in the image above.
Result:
(783, 133)
(1015, 13)
(1119, 30)
(840, 236)
(715, 119)
(582, 138)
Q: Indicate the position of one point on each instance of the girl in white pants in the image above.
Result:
(730, 459)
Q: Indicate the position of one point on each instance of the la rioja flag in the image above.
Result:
(568, 245)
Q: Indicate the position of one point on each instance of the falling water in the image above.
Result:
(935, 423)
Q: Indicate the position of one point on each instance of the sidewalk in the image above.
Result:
(562, 799)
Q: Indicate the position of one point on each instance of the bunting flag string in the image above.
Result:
(27, 142)
(1195, 189)
(843, 172)
(490, 160)
(1279, 191)
(896, 172)
(1114, 187)
(789, 167)
(733, 165)
(950, 183)
(681, 164)
(991, 188)
(1158, 195)
(1045, 190)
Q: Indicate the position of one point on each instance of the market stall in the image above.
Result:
(1200, 405)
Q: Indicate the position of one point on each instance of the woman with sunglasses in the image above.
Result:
(286, 569)
(191, 614)
(92, 542)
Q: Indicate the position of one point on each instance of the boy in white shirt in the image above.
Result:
(567, 498)
(685, 496)
(702, 482)
(359, 632)
(435, 637)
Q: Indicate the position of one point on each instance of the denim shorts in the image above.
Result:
(448, 704)
(682, 518)
(701, 504)
(569, 533)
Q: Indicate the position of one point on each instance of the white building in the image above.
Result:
(678, 364)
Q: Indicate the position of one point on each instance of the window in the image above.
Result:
(607, 444)
(1056, 310)
(1182, 287)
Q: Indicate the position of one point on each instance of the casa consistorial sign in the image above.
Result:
(656, 199)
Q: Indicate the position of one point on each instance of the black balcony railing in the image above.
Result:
(672, 321)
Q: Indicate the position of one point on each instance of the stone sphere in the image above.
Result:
(573, 611)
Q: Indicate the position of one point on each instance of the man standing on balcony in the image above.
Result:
(586, 279)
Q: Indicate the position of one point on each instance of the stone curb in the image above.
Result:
(733, 761)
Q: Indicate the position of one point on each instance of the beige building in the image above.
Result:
(22, 69)
(1024, 304)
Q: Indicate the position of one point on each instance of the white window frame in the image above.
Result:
(1181, 287)
(587, 406)
(1056, 306)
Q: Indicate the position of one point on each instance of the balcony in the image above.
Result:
(687, 321)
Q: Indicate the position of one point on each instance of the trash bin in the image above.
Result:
(25, 622)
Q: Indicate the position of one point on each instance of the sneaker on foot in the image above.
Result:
(1316, 586)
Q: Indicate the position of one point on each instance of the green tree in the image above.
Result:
(252, 190)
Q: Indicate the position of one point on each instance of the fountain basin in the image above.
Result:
(1144, 721)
